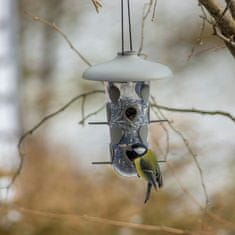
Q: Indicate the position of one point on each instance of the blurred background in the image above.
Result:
(39, 73)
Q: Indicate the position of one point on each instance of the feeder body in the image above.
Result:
(128, 118)
(126, 79)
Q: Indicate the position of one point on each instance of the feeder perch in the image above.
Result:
(127, 84)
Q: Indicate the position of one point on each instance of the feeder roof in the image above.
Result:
(126, 68)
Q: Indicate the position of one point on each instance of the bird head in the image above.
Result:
(136, 151)
(139, 149)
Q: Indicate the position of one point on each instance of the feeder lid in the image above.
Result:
(127, 68)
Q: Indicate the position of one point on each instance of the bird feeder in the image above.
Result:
(127, 86)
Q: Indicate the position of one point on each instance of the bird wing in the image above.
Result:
(152, 175)
(149, 173)
(157, 172)
(145, 164)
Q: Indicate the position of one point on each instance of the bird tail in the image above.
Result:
(149, 187)
(159, 179)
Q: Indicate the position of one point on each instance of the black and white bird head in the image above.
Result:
(137, 150)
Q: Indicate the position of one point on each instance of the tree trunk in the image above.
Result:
(9, 85)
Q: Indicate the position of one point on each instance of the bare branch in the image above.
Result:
(197, 111)
(231, 7)
(191, 152)
(146, 12)
(83, 109)
(224, 24)
(84, 118)
(97, 4)
(218, 33)
(228, 4)
(212, 215)
(217, 218)
(57, 29)
(198, 40)
(38, 125)
(216, 12)
(166, 132)
(32, 130)
(205, 210)
(76, 218)
(154, 10)
(210, 49)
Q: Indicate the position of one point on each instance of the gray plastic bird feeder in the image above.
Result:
(127, 78)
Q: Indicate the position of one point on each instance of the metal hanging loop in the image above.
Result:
(129, 24)
(129, 20)
(122, 26)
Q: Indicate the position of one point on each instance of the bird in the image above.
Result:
(147, 167)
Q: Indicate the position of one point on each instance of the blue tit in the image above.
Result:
(147, 167)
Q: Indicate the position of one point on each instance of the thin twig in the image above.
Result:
(191, 152)
(228, 4)
(146, 12)
(198, 166)
(91, 114)
(198, 40)
(218, 33)
(166, 132)
(83, 109)
(198, 111)
(223, 24)
(212, 215)
(93, 219)
(57, 29)
(38, 125)
(210, 49)
(216, 29)
(154, 10)
(231, 7)
(97, 4)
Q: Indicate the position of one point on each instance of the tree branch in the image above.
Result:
(84, 118)
(197, 111)
(166, 132)
(228, 224)
(191, 152)
(57, 29)
(146, 12)
(38, 125)
(223, 20)
(48, 117)
(218, 33)
(154, 10)
(198, 40)
(226, 22)
(97, 4)
(231, 7)
(92, 219)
